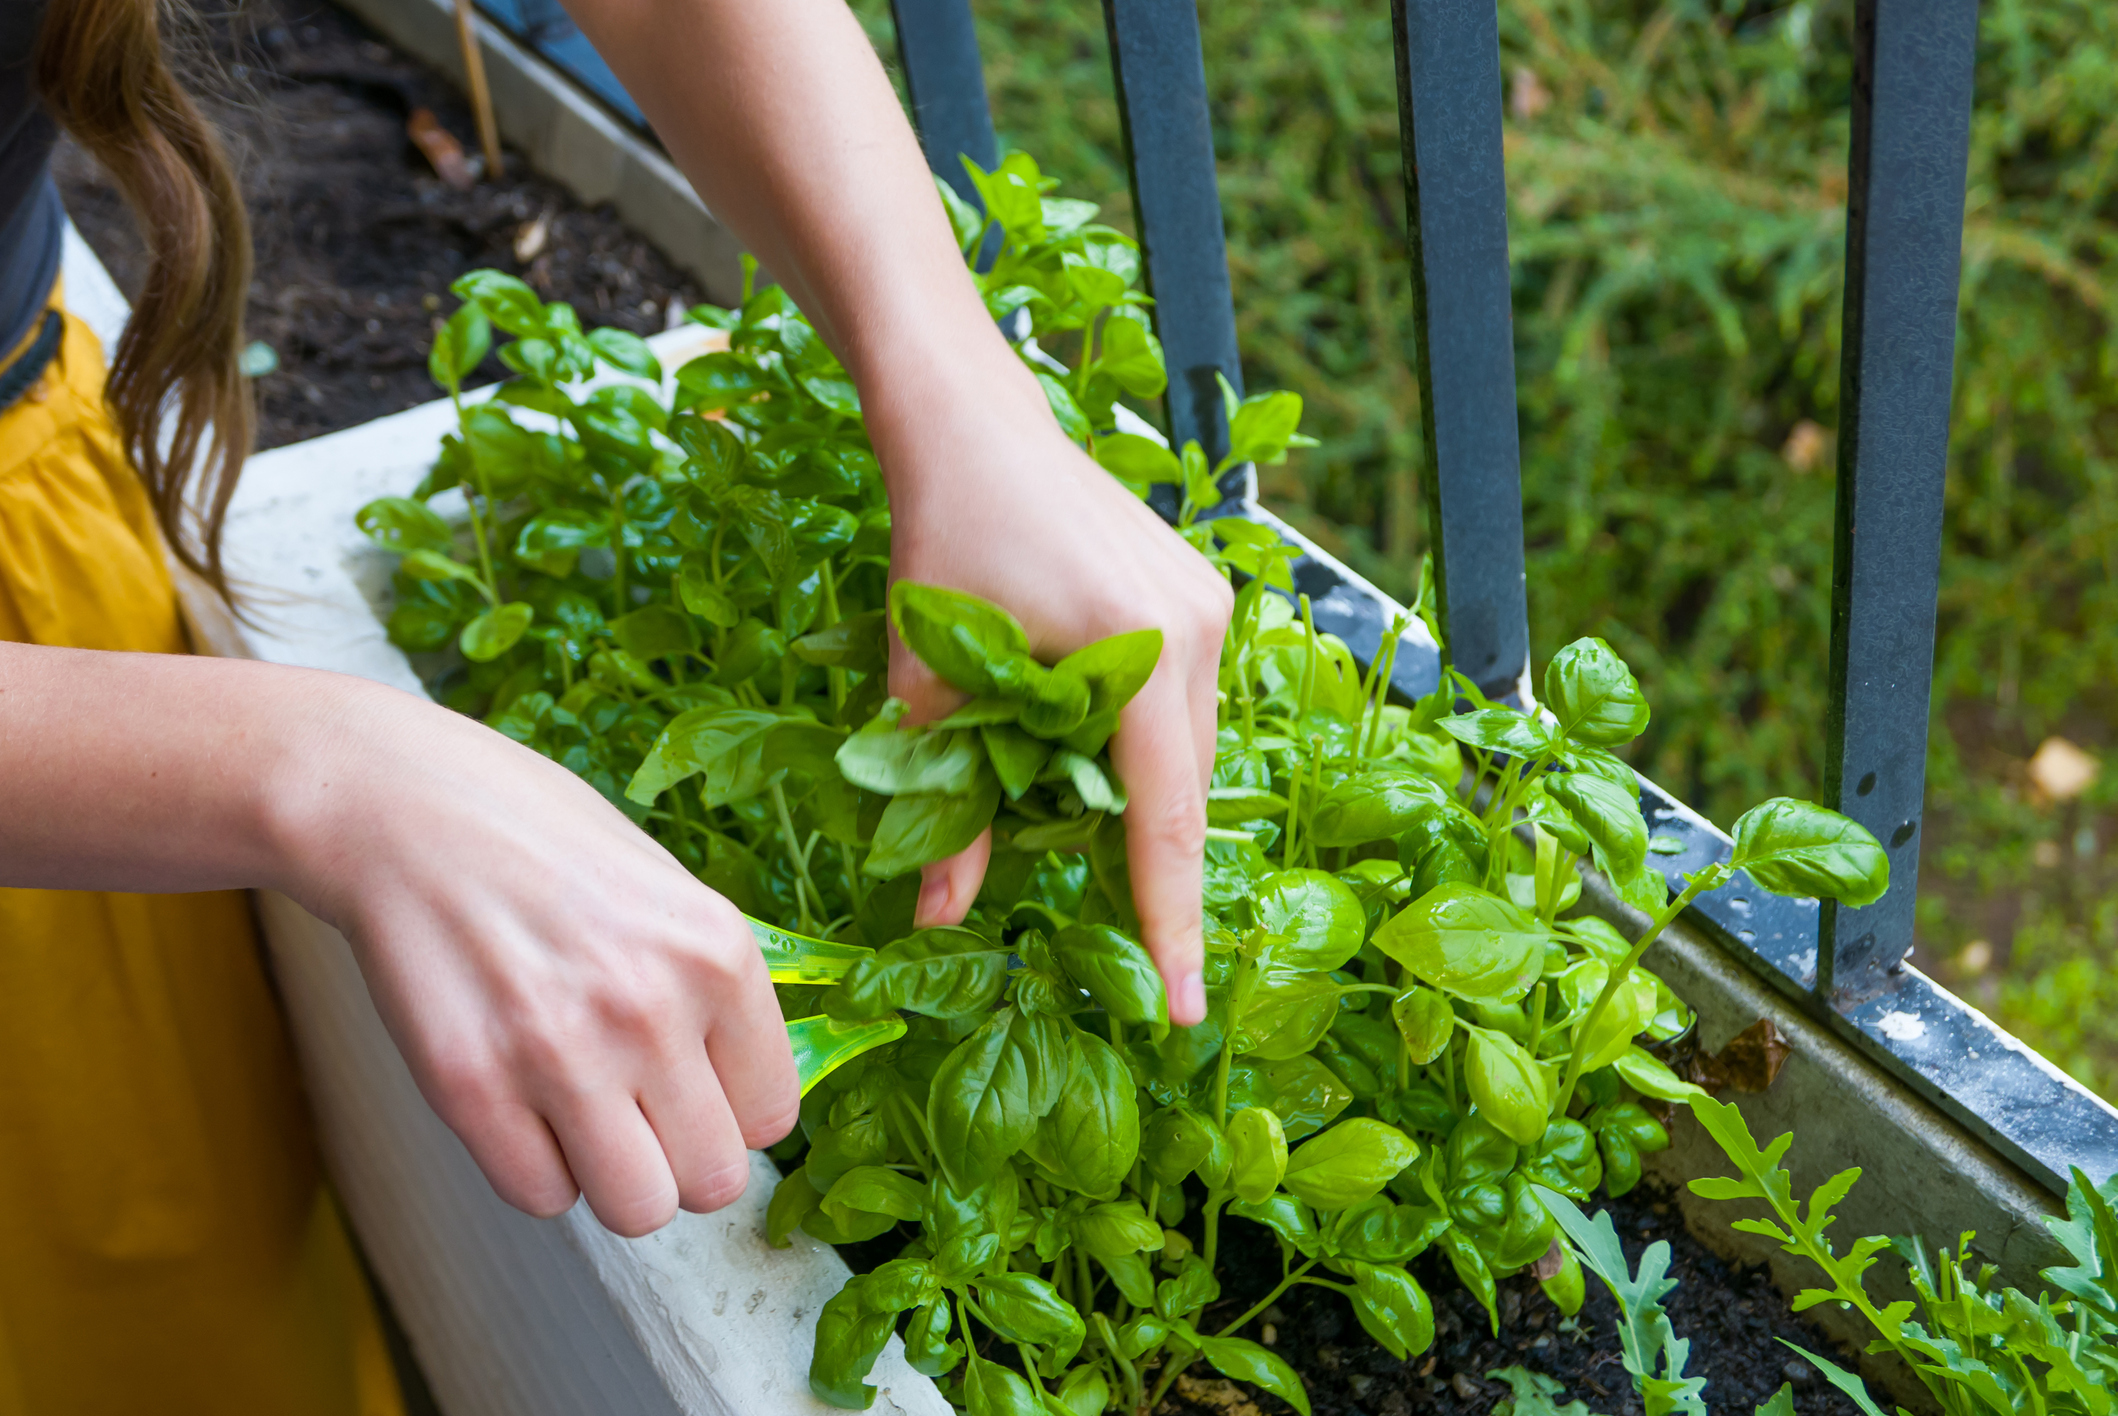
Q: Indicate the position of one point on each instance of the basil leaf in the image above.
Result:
(1115, 1229)
(850, 1335)
(943, 972)
(1348, 1163)
(655, 632)
(1393, 1308)
(1378, 1231)
(1798, 848)
(859, 644)
(991, 1091)
(1626, 1016)
(970, 643)
(727, 745)
(993, 1390)
(1136, 461)
(1193, 1288)
(1258, 1148)
(1594, 695)
(626, 352)
(1467, 942)
(1130, 355)
(1425, 1021)
(1285, 1216)
(1508, 1085)
(927, 1345)
(1178, 1140)
(1017, 757)
(1248, 1362)
(1377, 805)
(1609, 815)
(1024, 1308)
(794, 1199)
(400, 524)
(1084, 1391)
(1115, 970)
(1301, 1091)
(1320, 918)
(1500, 730)
(495, 632)
(892, 760)
(920, 828)
(1565, 1160)
(1090, 1139)
(1646, 1074)
(1285, 1013)
(460, 346)
(1262, 427)
(873, 1198)
(1115, 669)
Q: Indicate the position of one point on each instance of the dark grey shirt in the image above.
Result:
(32, 223)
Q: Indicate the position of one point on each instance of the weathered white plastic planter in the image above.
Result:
(507, 1315)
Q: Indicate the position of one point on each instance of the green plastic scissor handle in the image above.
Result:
(821, 1044)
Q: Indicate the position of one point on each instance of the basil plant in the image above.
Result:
(678, 588)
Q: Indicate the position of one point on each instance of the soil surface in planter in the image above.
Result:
(357, 238)
(1731, 1316)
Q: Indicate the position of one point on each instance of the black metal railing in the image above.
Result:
(1910, 140)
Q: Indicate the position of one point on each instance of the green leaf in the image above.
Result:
(1594, 696)
(400, 524)
(850, 1335)
(1248, 1362)
(1854, 1389)
(1072, 421)
(1319, 918)
(794, 1199)
(927, 1345)
(1798, 848)
(1500, 730)
(1025, 1308)
(655, 632)
(875, 1190)
(1301, 1091)
(1285, 1216)
(1511, 1089)
(727, 745)
(423, 564)
(991, 1091)
(1532, 1393)
(822, 1045)
(1262, 427)
(496, 631)
(1137, 461)
(507, 299)
(1426, 1022)
(460, 347)
(965, 220)
(1132, 357)
(1377, 805)
(1348, 1163)
(1565, 1159)
(1083, 1392)
(1178, 1140)
(1393, 1308)
(1644, 1332)
(1467, 942)
(1258, 1151)
(993, 1390)
(1091, 1138)
(626, 352)
(1610, 817)
(944, 972)
(920, 828)
(1115, 971)
(892, 760)
(970, 643)
(1646, 1074)
(1115, 669)
(1017, 757)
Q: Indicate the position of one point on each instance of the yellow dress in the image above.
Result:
(167, 1245)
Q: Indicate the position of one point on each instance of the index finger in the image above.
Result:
(1157, 754)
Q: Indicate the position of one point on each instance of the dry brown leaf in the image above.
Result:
(531, 237)
(1750, 1063)
(1217, 1392)
(2060, 771)
(442, 150)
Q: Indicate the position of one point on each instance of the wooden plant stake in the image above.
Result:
(481, 96)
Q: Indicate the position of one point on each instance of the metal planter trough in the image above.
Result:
(1956, 1125)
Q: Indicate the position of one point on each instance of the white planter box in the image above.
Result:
(506, 1314)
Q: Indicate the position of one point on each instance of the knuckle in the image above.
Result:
(772, 1123)
(1176, 824)
(719, 1187)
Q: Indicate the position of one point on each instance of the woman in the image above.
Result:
(588, 1018)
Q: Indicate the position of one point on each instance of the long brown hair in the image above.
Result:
(176, 385)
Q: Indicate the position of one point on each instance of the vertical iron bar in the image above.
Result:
(1448, 92)
(1904, 241)
(937, 45)
(1161, 82)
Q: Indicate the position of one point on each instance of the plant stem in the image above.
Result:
(1267, 1301)
(801, 859)
(1710, 878)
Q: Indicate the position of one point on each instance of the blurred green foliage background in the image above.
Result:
(1677, 182)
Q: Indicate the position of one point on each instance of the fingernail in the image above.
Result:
(1191, 998)
(933, 899)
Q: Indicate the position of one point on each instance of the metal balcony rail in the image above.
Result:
(1910, 141)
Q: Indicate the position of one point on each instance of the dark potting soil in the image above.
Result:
(357, 238)
(1731, 1316)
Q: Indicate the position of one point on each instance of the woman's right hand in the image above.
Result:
(579, 1009)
